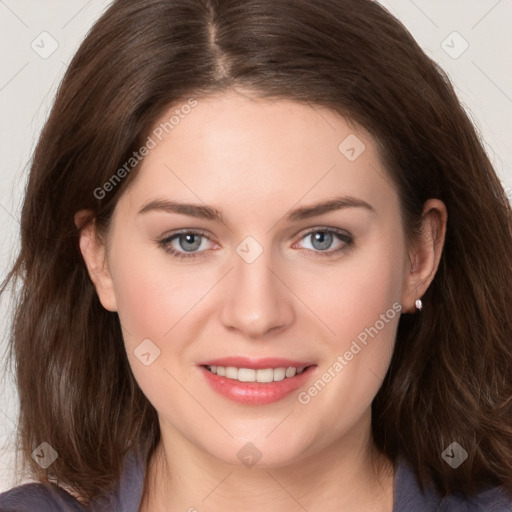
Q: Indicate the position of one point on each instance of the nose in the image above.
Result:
(257, 302)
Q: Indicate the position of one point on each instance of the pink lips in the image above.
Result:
(257, 364)
(255, 393)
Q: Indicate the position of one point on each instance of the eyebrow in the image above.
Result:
(211, 213)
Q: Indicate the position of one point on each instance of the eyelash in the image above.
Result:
(346, 238)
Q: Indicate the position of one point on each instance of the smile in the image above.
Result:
(256, 381)
(253, 375)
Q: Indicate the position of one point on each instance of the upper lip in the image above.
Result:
(256, 364)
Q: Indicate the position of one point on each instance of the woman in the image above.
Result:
(260, 271)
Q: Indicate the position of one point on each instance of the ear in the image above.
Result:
(94, 253)
(425, 253)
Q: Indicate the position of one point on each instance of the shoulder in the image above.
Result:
(491, 500)
(409, 496)
(38, 498)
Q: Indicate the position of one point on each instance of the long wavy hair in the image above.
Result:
(450, 374)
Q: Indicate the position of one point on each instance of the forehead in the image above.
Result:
(232, 149)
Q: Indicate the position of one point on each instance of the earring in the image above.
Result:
(418, 304)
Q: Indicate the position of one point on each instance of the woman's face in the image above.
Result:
(280, 278)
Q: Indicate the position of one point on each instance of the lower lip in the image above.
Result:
(255, 393)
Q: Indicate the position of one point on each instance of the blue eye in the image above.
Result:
(189, 243)
(322, 239)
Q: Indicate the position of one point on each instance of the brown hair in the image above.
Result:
(449, 379)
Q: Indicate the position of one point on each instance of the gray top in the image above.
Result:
(407, 496)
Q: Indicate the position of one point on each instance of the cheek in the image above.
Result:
(151, 297)
(160, 301)
(155, 308)
(359, 304)
(150, 291)
(352, 294)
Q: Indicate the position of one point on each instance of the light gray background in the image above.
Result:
(28, 82)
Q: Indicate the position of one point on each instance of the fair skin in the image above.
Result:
(255, 160)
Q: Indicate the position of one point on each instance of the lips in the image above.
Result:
(256, 381)
(256, 364)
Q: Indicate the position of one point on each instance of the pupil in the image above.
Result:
(324, 238)
(189, 238)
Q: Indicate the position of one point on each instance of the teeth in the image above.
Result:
(232, 372)
(264, 375)
(246, 375)
(291, 371)
(252, 375)
(279, 373)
